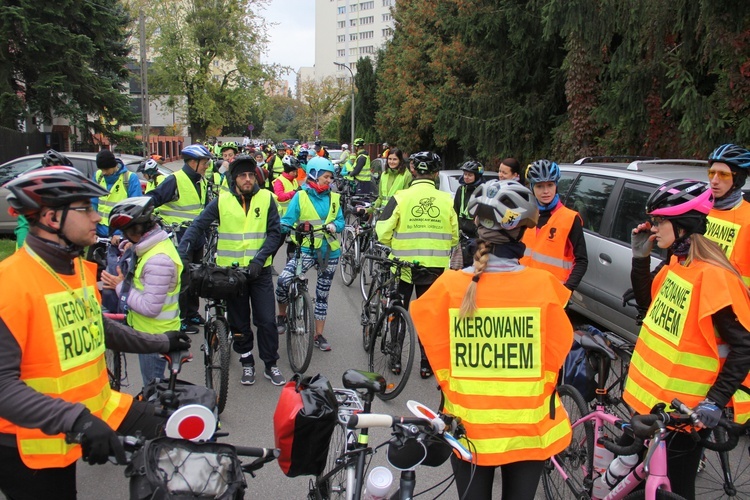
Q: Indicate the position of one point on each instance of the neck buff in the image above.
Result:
(317, 187)
(552, 204)
(729, 200)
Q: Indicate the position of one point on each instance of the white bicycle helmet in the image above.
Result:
(503, 205)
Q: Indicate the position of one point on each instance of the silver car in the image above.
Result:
(448, 180)
(611, 198)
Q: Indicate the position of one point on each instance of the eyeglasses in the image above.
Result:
(87, 209)
(723, 174)
(655, 221)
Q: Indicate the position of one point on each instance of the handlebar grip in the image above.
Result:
(364, 420)
(252, 451)
(729, 439)
(617, 449)
(115, 316)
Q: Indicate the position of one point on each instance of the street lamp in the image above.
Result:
(351, 144)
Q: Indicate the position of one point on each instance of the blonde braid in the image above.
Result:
(469, 305)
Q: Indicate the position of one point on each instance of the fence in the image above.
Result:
(14, 144)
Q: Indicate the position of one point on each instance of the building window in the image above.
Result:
(342, 24)
(342, 38)
(367, 50)
(387, 3)
(353, 7)
(342, 9)
(387, 32)
(387, 17)
(367, 20)
(353, 51)
(352, 22)
(367, 5)
(366, 35)
(341, 52)
(352, 36)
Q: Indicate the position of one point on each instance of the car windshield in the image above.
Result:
(12, 170)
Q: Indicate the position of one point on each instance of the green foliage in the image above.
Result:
(365, 103)
(7, 247)
(64, 58)
(127, 142)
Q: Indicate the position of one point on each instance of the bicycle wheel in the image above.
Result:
(577, 460)
(216, 359)
(391, 350)
(371, 310)
(114, 368)
(349, 253)
(660, 495)
(331, 483)
(726, 474)
(299, 332)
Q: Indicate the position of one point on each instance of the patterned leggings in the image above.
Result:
(322, 286)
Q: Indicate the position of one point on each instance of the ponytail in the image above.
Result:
(481, 257)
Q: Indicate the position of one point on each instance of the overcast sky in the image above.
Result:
(292, 39)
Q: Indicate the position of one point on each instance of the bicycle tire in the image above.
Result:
(349, 252)
(371, 310)
(711, 481)
(114, 368)
(577, 459)
(660, 495)
(216, 359)
(330, 484)
(384, 351)
(299, 332)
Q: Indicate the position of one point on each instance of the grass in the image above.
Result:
(7, 247)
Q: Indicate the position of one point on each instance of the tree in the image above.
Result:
(319, 101)
(64, 59)
(207, 50)
(365, 104)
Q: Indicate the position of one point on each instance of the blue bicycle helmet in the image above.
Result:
(195, 152)
(543, 171)
(317, 165)
(736, 158)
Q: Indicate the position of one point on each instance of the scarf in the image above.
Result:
(552, 204)
(317, 187)
(729, 200)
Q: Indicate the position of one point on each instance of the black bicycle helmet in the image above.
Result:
(53, 187)
(543, 171)
(736, 158)
(472, 166)
(52, 157)
(503, 205)
(425, 162)
(683, 202)
(290, 163)
(127, 213)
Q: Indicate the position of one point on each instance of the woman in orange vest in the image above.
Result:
(53, 375)
(694, 343)
(557, 244)
(496, 336)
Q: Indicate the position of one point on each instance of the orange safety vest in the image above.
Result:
(547, 247)
(678, 353)
(62, 351)
(498, 368)
(731, 230)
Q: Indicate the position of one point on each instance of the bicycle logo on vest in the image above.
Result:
(425, 205)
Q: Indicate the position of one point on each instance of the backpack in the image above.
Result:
(304, 420)
(581, 367)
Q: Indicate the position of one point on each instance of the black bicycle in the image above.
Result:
(356, 238)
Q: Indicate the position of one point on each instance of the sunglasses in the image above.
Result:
(723, 175)
(655, 221)
(87, 209)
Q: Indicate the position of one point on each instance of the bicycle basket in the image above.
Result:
(167, 468)
(185, 392)
(216, 282)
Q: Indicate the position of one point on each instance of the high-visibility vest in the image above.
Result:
(390, 183)
(731, 230)
(242, 234)
(424, 232)
(278, 166)
(62, 348)
(152, 184)
(188, 204)
(546, 247)
(307, 213)
(288, 186)
(117, 193)
(169, 317)
(498, 367)
(364, 175)
(677, 353)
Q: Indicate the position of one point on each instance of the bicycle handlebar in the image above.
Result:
(367, 420)
(394, 261)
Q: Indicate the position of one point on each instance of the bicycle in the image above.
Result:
(388, 332)
(356, 238)
(115, 360)
(344, 474)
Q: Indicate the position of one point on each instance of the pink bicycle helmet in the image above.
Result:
(684, 202)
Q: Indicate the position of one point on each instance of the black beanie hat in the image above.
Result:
(105, 159)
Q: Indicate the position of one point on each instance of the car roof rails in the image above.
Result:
(590, 159)
(634, 166)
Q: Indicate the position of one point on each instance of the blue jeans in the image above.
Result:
(152, 367)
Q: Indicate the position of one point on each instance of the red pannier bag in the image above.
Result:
(305, 416)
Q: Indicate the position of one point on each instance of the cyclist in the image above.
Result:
(504, 404)
(228, 151)
(248, 234)
(510, 170)
(321, 150)
(729, 220)
(275, 163)
(468, 183)
(181, 198)
(395, 178)
(420, 225)
(52, 341)
(150, 170)
(151, 291)
(557, 243)
(344, 154)
(360, 172)
(50, 158)
(316, 204)
(698, 310)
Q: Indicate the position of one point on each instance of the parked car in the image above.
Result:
(85, 162)
(611, 198)
(448, 179)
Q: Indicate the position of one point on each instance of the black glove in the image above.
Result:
(98, 440)
(707, 414)
(254, 269)
(178, 341)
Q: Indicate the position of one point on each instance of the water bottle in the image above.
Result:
(602, 458)
(618, 469)
(379, 481)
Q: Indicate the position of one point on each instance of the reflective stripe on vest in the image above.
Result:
(307, 213)
(730, 229)
(188, 204)
(117, 193)
(677, 354)
(288, 186)
(390, 184)
(242, 235)
(546, 246)
(169, 316)
(364, 174)
(62, 351)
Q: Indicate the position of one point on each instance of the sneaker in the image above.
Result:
(281, 324)
(321, 343)
(197, 319)
(186, 328)
(248, 375)
(273, 374)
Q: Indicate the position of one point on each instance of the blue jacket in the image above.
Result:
(134, 189)
(322, 204)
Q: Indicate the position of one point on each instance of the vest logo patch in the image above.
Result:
(257, 212)
(78, 336)
(668, 312)
(552, 232)
(426, 206)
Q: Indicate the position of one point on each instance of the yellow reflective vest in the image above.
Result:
(188, 204)
(242, 234)
(307, 213)
(117, 193)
